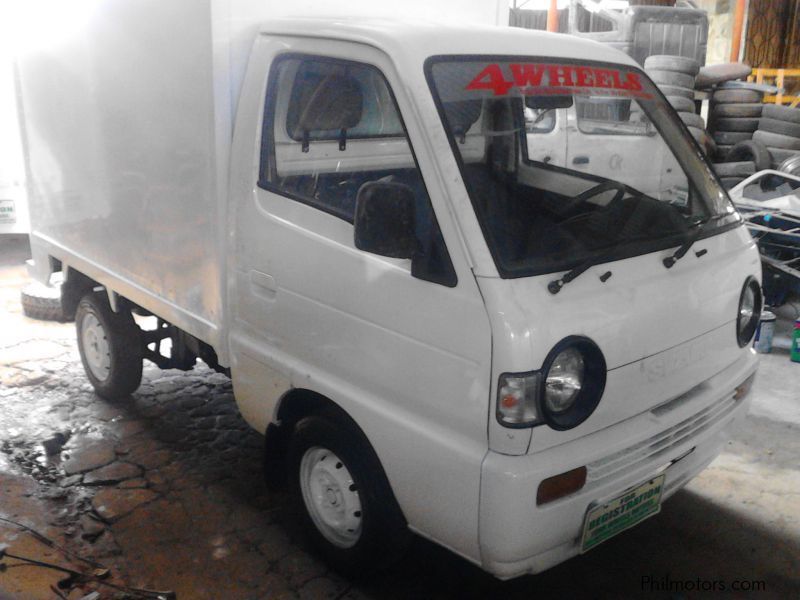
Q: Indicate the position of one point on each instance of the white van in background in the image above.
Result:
(13, 197)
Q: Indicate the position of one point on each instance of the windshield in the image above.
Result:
(566, 163)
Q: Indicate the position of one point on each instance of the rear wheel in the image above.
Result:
(42, 302)
(110, 347)
(348, 509)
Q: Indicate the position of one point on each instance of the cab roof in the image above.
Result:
(418, 40)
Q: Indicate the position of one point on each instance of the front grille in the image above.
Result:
(660, 444)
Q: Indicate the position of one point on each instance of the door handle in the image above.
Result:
(263, 284)
(580, 160)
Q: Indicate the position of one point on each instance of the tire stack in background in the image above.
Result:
(779, 130)
(773, 144)
(733, 117)
(675, 77)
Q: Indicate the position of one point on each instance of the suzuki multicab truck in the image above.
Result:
(438, 330)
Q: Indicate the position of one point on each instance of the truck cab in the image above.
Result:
(404, 247)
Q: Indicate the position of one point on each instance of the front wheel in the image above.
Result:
(349, 511)
(110, 347)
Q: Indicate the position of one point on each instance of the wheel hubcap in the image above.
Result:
(331, 497)
(95, 347)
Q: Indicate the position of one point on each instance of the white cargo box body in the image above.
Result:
(127, 125)
(128, 113)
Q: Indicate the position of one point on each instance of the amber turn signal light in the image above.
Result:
(559, 486)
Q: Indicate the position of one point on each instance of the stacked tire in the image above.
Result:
(675, 77)
(734, 117)
(779, 130)
(733, 172)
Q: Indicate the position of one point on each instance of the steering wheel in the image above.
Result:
(591, 192)
(570, 208)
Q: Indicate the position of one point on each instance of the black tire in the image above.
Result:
(674, 90)
(124, 347)
(752, 151)
(781, 113)
(678, 64)
(731, 137)
(776, 140)
(737, 96)
(692, 120)
(711, 146)
(723, 150)
(735, 169)
(672, 78)
(42, 302)
(731, 182)
(782, 127)
(681, 103)
(752, 110)
(716, 74)
(384, 534)
(736, 124)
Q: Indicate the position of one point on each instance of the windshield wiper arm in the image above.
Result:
(555, 286)
(694, 234)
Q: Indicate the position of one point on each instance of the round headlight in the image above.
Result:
(564, 381)
(749, 312)
(574, 377)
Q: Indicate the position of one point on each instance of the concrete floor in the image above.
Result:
(165, 491)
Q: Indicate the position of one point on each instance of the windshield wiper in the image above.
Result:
(555, 286)
(695, 231)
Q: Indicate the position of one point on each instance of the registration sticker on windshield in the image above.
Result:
(535, 79)
(626, 510)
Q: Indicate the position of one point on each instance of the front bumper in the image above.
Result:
(519, 537)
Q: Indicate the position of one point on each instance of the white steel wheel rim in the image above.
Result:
(95, 347)
(331, 497)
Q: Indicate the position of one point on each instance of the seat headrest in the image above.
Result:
(326, 103)
(462, 114)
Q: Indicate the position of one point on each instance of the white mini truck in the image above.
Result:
(440, 328)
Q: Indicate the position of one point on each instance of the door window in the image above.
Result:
(331, 126)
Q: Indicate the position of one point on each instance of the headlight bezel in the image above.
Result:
(571, 354)
(592, 387)
(745, 335)
(534, 385)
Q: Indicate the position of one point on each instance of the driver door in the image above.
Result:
(407, 356)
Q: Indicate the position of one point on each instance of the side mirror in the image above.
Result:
(385, 219)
